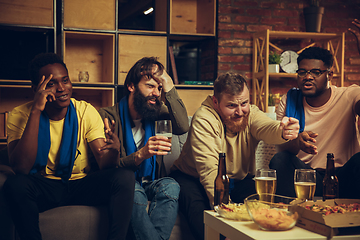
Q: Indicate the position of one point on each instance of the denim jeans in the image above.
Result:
(159, 220)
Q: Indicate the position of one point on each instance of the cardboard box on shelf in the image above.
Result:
(331, 224)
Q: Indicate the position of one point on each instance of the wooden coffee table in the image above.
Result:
(248, 230)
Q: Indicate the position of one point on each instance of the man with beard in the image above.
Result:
(328, 124)
(132, 119)
(225, 123)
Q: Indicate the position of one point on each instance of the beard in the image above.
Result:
(146, 110)
(317, 90)
(233, 124)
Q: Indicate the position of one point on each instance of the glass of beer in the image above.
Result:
(163, 128)
(265, 182)
(305, 183)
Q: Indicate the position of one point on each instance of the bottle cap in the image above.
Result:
(221, 155)
(330, 155)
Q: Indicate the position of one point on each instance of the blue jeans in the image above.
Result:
(159, 220)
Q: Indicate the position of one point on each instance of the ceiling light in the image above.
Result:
(150, 10)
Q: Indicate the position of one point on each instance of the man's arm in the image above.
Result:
(22, 152)
(206, 142)
(175, 106)
(114, 140)
(112, 114)
(107, 151)
(292, 145)
(303, 142)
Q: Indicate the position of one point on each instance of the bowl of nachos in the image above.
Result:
(276, 213)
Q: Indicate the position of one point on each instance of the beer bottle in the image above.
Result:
(221, 185)
(330, 182)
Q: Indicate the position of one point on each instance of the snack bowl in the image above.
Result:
(273, 212)
(233, 211)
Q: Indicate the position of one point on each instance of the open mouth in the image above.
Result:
(152, 101)
(308, 85)
(63, 97)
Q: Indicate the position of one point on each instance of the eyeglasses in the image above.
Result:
(313, 72)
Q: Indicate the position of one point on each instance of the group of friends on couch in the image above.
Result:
(65, 152)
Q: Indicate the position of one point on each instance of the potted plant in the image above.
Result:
(271, 107)
(274, 61)
(313, 16)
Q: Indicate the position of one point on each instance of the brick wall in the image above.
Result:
(238, 19)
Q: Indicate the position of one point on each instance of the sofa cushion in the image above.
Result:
(80, 222)
(177, 144)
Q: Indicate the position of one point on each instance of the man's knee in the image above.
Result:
(140, 197)
(168, 188)
(123, 179)
(15, 185)
(280, 158)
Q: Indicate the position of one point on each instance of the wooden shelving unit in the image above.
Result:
(265, 40)
(31, 13)
(105, 38)
(92, 52)
(133, 47)
(89, 14)
(193, 17)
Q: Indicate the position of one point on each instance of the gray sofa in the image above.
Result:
(82, 222)
(91, 223)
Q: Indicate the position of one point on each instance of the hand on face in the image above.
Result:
(163, 78)
(304, 142)
(290, 128)
(152, 147)
(54, 90)
(43, 95)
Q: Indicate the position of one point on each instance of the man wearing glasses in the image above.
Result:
(327, 117)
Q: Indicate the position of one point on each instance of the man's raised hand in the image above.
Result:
(290, 128)
(43, 95)
(306, 139)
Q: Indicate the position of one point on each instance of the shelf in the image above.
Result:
(192, 17)
(296, 41)
(276, 76)
(12, 96)
(194, 60)
(134, 47)
(19, 12)
(92, 52)
(193, 97)
(183, 86)
(23, 81)
(132, 15)
(19, 46)
(3, 119)
(105, 38)
(98, 97)
(90, 14)
(297, 35)
(141, 32)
